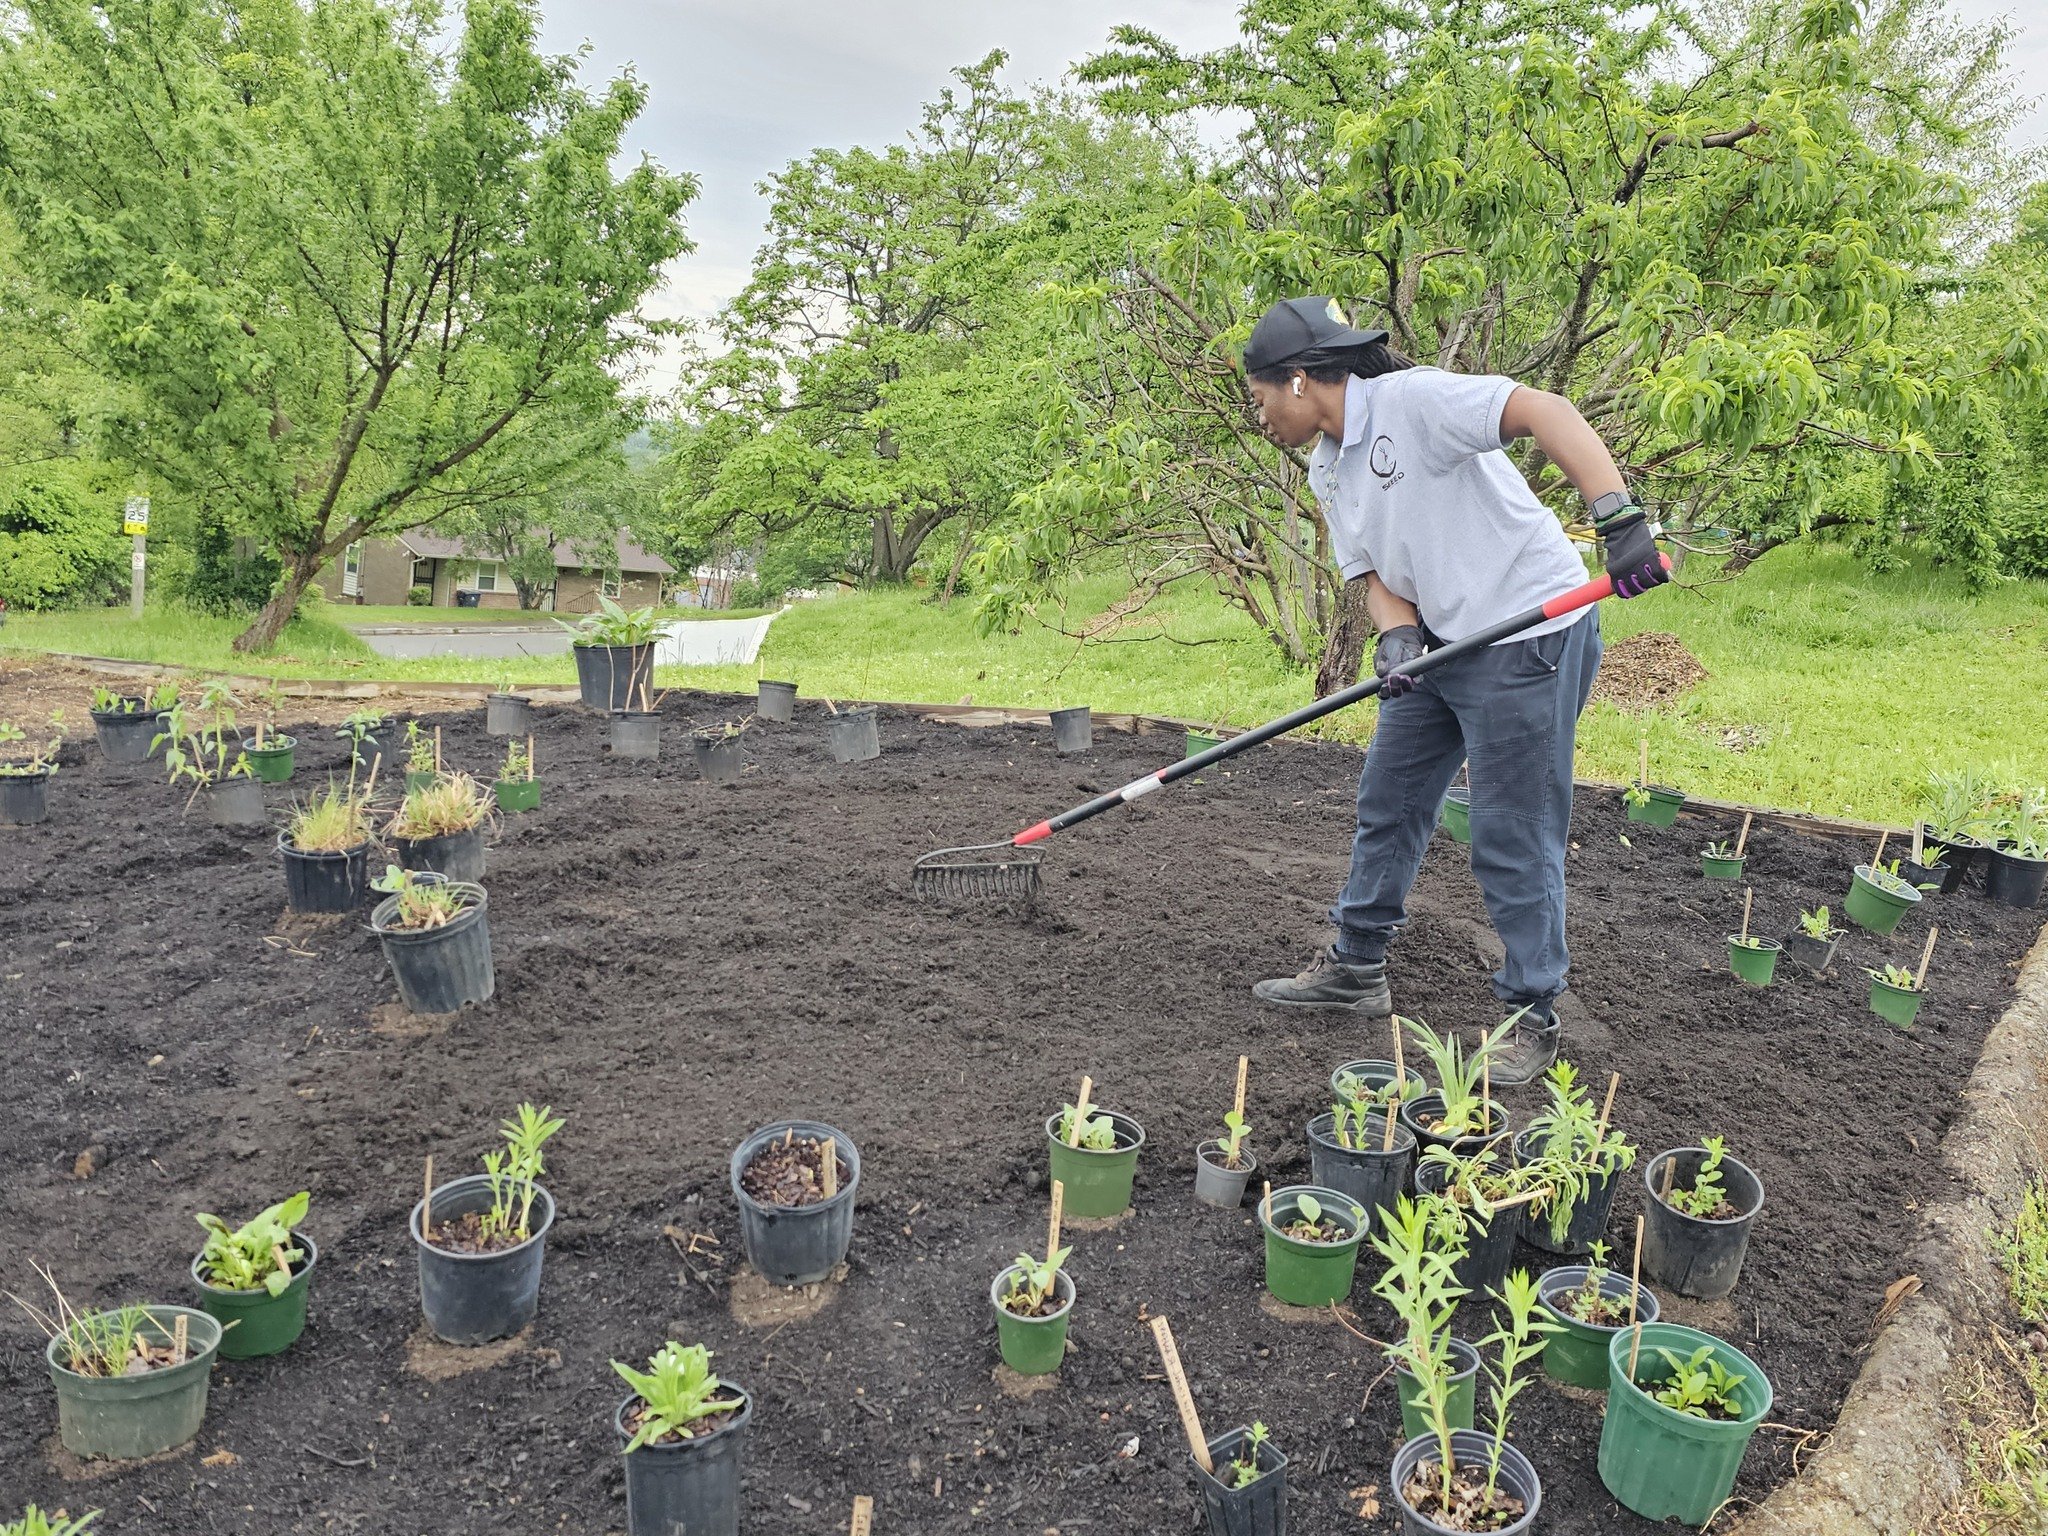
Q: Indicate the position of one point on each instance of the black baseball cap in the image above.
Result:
(1295, 326)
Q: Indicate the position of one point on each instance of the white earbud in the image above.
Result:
(1297, 384)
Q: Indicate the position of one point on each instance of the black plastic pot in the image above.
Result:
(473, 1298)
(24, 798)
(1257, 1509)
(1683, 1253)
(1073, 730)
(1372, 1178)
(1517, 1476)
(235, 803)
(1588, 1223)
(720, 759)
(324, 882)
(610, 677)
(636, 733)
(2014, 879)
(508, 714)
(1923, 877)
(457, 855)
(125, 734)
(1417, 1113)
(1963, 855)
(775, 701)
(1815, 955)
(855, 736)
(1489, 1248)
(796, 1244)
(439, 969)
(690, 1487)
(369, 751)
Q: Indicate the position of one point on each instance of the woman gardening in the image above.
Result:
(1424, 507)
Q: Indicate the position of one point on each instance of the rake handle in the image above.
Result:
(1566, 602)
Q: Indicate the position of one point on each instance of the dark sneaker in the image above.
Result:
(1332, 983)
(1528, 1053)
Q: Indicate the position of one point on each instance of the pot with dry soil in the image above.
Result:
(796, 1217)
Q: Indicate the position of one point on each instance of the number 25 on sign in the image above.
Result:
(135, 515)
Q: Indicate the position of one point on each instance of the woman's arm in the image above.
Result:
(1565, 438)
(1386, 610)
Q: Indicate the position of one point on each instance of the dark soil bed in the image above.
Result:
(679, 964)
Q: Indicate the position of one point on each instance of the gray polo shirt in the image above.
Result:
(1420, 492)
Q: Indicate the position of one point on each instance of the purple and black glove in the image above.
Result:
(1397, 647)
(1631, 544)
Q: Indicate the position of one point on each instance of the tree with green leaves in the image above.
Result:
(340, 265)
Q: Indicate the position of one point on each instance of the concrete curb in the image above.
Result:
(1890, 1466)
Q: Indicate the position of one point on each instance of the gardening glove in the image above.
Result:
(1397, 647)
(1630, 540)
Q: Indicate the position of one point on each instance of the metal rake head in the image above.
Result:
(955, 873)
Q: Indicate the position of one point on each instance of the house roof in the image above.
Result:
(627, 554)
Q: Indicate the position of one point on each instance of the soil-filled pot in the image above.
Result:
(235, 803)
(1663, 1464)
(1376, 1074)
(272, 762)
(1257, 1509)
(1489, 1245)
(1718, 867)
(1462, 1398)
(517, 794)
(1804, 950)
(797, 1244)
(855, 736)
(1073, 730)
(775, 701)
(2013, 878)
(1098, 1181)
(1032, 1346)
(262, 1324)
(1201, 741)
(473, 1298)
(687, 1487)
(125, 734)
(324, 882)
(1588, 1221)
(1755, 962)
(636, 733)
(24, 798)
(1457, 813)
(126, 1417)
(1688, 1254)
(1468, 1447)
(457, 855)
(1369, 1176)
(1417, 1113)
(1305, 1274)
(439, 969)
(720, 758)
(1577, 1353)
(1877, 907)
(1660, 810)
(609, 677)
(1895, 1005)
(508, 714)
(1217, 1184)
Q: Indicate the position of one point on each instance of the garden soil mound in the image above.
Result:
(680, 963)
(1647, 671)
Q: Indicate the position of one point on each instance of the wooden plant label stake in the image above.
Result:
(1052, 1226)
(1606, 1109)
(1635, 1291)
(180, 1339)
(1486, 1094)
(1266, 1201)
(530, 769)
(1878, 857)
(1243, 1066)
(828, 1163)
(1926, 954)
(427, 1203)
(1747, 896)
(1670, 1178)
(437, 749)
(277, 1257)
(1080, 1112)
(863, 1516)
(1919, 842)
(1387, 1142)
(1742, 837)
(1183, 1399)
(1400, 1062)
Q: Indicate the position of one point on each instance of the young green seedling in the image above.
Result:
(513, 1173)
(1033, 1282)
(1420, 1284)
(1516, 1340)
(1461, 1077)
(677, 1393)
(1699, 1386)
(34, 1522)
(1573, 1145)
(1707, 1200)
(1243, 1469)
(421, 903)
(258, 1253)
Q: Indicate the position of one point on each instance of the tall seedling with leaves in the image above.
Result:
(1459, 1076)
(1421, 1286)
(1575, 1145)
(515, 1173)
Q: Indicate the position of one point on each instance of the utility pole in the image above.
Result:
(135, 523)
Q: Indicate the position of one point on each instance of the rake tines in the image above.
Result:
(949, 874)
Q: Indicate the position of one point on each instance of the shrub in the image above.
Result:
(226, 578)
(56, 547)
(420, 596)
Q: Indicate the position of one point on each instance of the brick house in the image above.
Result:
(384, 572)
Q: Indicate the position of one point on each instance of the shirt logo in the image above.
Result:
(1381, 462)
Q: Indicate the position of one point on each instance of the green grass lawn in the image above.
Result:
(1828, 689)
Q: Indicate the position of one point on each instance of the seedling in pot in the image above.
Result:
(107, 702)
(359, 727)
(678, 1397)
(1034, 1284)
(1819, 926)
(256, 1255)
(518, 765)
(1460, 1077)
(332, 820)
(1590, 1303)
(422, 751)
(1575, 1147)
(1078, 1128)
(1242, 1470)
(34, 1522)
(1420, 1284)
(1707, 1199)
(41, 759)
(424, 900)
(1699, 1386)
(195, 741)
(1895, 991)
(1242, 1493)
(514, 1174)
(1310, 1225)
(119, 1341)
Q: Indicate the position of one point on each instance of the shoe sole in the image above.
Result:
(1371, 1007)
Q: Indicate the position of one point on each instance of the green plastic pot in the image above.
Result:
(1755, 962)
(1714, 867)
(272, 763)
(1457, 814)
(1464, 1392)
(517, 794)
(1310, 1274)
(1032, 1346)
(255, 1323)
(1872, 906)
(125, 1417)
(1895, 1005)
(1098, 1183)
(1201, 741)
(1661, 810)
(1667, 1465)
(1577, 1353)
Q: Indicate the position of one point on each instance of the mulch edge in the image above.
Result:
(1891, 1466)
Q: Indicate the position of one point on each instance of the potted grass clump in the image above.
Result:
(507, 713)
(1579, 1154)
(614, 651)
(683, 1429)
(481, 1239)
(325, 847)
(1752, 957)
(1033, 1300)
(436, 935)
(795, 1182)
(438, 827)
(1681, 1408)
(516, 787)
(1224, 1165)
(131, 1381)
(125, 723)
(1420, 1284)
(1450, 1480)
(195, 741)
(1312, 1238)
(34, 1522)
(1960, 818)
(1094, 1153)
(25, 781)
(253, 1279)
(367, 732)
(1460, 1114)
(1588, 1304)
(2017, 868)
(1812, 943)
(1456, 814)
(1699, 1208)
(720, 752)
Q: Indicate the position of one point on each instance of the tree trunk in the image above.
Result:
(896, 552)
(272, 617)
(1344, 644)
(959, 561)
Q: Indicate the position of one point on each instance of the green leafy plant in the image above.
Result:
(613, 625)
(1571, 1147)
(424, 900)
(355, 728)
(1699, 1386)
(1958, 805)
(1897, 976)
(1032, 1282)
(1886, 878)
(1707, 1197)
(2024, 826)
(1234, 1132)
(1352, 1120)
(451, 803)
(419, 748)
(1635, 796)
(34, 1522)
(1479, 1182)
(1098, 1132)
(518, 765)
(1420, 1284)
(1243, 1468)
(42, 759)
(197, 738)
(1748, 940)
(105, 701)
(1722, 849)
(332, 820)
(1459, 1074)
(1589, 1301)
(677, 1393)
(258, 1253)
(1353, 1089)
(514, 1171)
(1515, 1341)
(1818, 924)
(504, 685)
(163, 698)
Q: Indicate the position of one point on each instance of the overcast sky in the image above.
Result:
(740, 87)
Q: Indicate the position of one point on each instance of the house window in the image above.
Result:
(484, 576)
(609, 585)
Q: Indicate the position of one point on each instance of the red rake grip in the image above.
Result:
(1596, 590)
